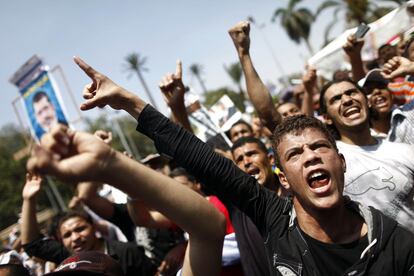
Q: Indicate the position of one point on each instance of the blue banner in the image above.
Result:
(42, 104)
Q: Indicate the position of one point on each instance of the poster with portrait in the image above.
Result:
(42, 104)
(225, 113)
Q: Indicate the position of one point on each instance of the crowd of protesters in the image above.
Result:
(321, 184)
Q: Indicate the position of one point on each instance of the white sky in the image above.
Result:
(103, 32)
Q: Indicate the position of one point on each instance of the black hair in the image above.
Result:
(245, 140)
(40, 95)
(218, 142)
(242, 122)
(71, 214)
(180, 171)
(386, 45)
(296, 125)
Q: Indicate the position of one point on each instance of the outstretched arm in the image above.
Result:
(309, 82)
(87, 193)
(29, 226)
(173, 90)
(218, 173)
(353, 48)
(82, 157)
(142, 215)
(258, 93)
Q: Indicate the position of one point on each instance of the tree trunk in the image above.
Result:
(147, 91)
(203, 87)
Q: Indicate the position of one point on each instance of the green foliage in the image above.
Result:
(235, 72)
(355, 12)
(213, 96)
(297, 22)
(12, 176)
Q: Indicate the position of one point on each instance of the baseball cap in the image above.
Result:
(373, 76)
(89, 263)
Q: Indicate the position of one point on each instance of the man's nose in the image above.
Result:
(346, 99)
(310, 156)
(247, 161)
(75, 236)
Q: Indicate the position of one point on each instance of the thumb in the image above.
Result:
(91, 103)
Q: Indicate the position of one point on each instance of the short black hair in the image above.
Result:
(40, 95)
(71, 214)
(180, 171)
(383, 46)
(296, 125)
(242, 122)
(245, 140)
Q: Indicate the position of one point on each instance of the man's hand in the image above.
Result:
(102, 91)
(173, 88)
(105, 136)
(240, 36)
(353, 46)
(397, 67)
(32, 187)
(74, 156)
(309, 79)
(173, 260)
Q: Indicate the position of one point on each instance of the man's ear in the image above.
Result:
(327, 119)
(343, 162)
(271, 158)
(283, 180)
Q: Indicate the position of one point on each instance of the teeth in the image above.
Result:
(315, 174)
(351, 110)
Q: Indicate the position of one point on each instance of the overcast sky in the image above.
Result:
(103, 32)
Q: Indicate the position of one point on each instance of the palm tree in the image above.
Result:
(197, 70)
(296, 22)
(235, 72)
(135, 64)
(356, 12)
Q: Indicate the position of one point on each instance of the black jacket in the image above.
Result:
(130, 256)
(390, 250)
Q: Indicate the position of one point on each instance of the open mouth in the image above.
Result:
(351, 111)
(380, 101)
(78, 248)
(255, 172)
(318, 181)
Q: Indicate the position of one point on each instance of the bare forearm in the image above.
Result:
(133, 104)
(181, 117)
(29, 226)
(172, 199)
(357, 66)
(307, 104)
(141, 215)
(258, 94)
(195, 261)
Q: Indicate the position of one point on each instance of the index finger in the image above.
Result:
(85, 67)
(179, 69)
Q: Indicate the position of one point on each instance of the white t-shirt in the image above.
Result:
(382, 176)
